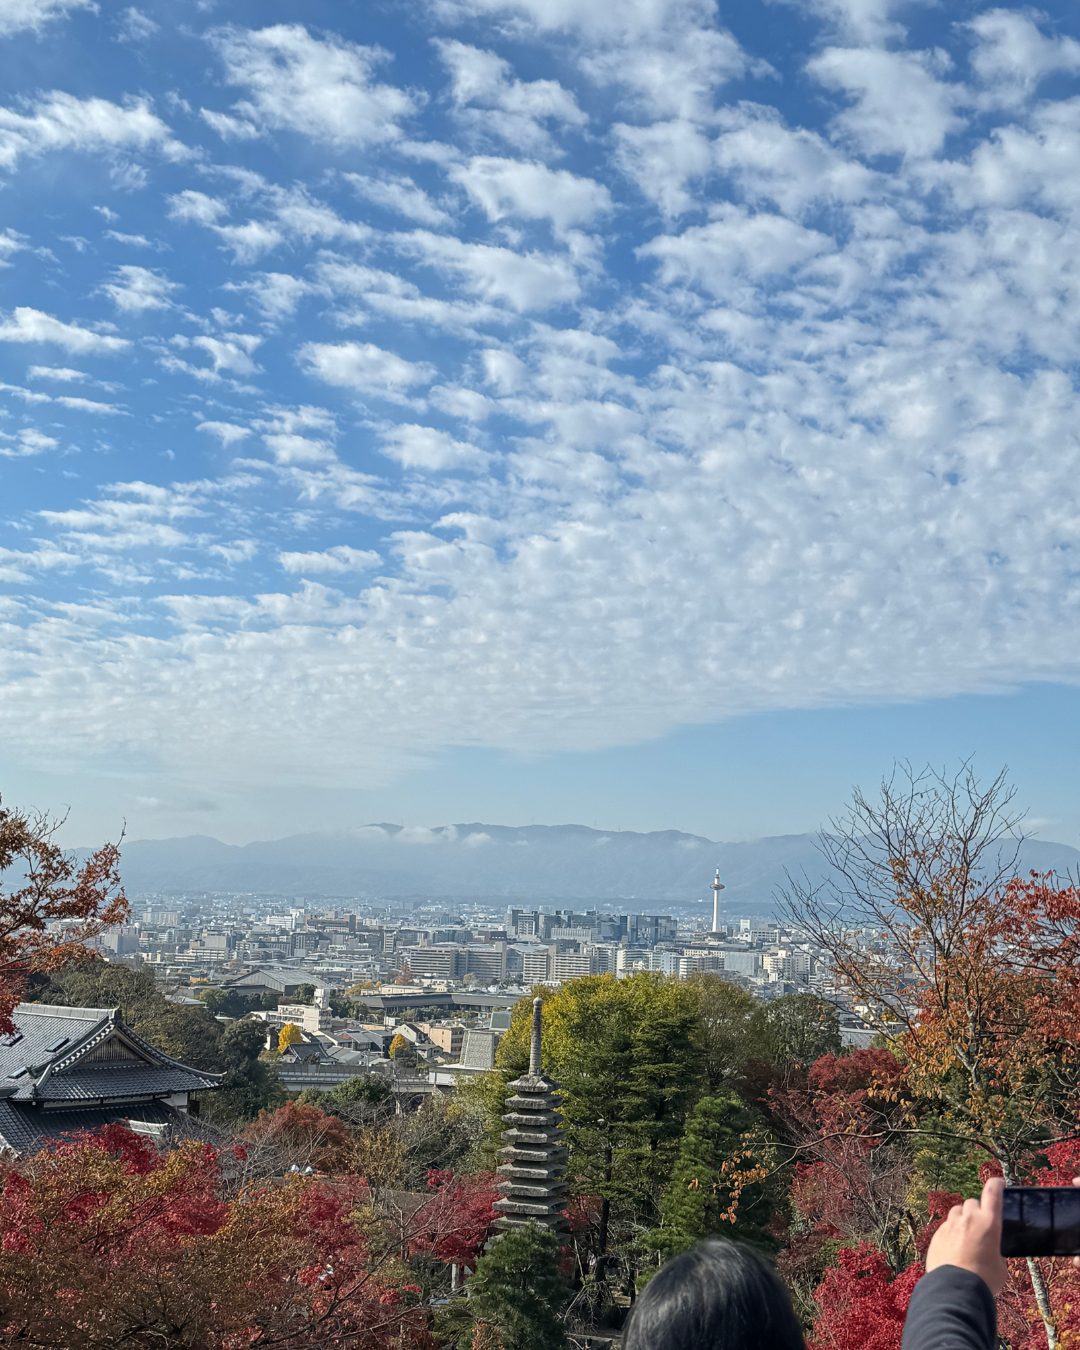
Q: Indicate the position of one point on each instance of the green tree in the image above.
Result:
(305, 993)
(251, 1085)
(627, 1057)
(717, 1186)
(518, 1291)
(801, 1028)
(734, 1031)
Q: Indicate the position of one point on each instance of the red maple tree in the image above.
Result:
(107, 1242)
(54, 906)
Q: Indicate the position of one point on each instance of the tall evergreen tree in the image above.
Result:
(706, 1197)
(517, 1293)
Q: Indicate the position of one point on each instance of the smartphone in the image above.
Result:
(1041, 1221)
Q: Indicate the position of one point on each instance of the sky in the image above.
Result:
(654, 414)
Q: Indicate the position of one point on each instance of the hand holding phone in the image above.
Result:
(970, 1237)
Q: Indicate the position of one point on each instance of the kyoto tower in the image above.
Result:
(717, 887)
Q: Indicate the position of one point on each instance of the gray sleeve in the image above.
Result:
(951, 1309)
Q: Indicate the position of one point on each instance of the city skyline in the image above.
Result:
(648, 415)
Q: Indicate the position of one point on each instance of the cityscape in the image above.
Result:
(539, 690)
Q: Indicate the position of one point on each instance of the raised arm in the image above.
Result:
(953, 1306)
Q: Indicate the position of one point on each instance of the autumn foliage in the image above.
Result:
(108, 1242)
(48, 889)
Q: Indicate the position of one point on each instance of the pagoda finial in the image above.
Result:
(534, 1045)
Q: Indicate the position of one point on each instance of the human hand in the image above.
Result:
(971, 1237)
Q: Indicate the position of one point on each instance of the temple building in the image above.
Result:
(532, 1167)
(67, 1069)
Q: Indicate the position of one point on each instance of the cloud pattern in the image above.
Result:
(532, 374)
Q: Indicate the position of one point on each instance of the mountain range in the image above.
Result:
(532, 863)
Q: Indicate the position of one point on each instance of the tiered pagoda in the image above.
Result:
(532, 1167)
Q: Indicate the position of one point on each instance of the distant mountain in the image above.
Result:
(533, 863)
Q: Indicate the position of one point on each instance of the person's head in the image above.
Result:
(718, 1296)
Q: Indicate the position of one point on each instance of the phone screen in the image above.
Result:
(1041, 1221)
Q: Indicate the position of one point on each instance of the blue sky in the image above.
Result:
(653, 414)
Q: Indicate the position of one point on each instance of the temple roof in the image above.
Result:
(25, 1128)
(59, 1054)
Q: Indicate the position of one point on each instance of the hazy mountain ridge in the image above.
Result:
(529, 863)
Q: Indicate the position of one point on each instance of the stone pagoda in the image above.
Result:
(532, 1167)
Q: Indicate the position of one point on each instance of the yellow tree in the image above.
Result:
(290, 1034)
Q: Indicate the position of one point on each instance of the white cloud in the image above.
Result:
(663, 159)
(32, 325)
(288, 447)
(230, 353)
(419, 447)
(25, 442)
(400, 195)
(1012, 55)
(228, 433)
(736, 246)
(321, 88)
(134, 290)
(229, 128)
(21, 15)
(525, 281)
(364, 367)
(509, 187)
(135, 26)
(63, 373)
(900, 107)
(59, 121)
(339, 558)
(483, 84)
(862, 21)
(10, 243)
(276, 294)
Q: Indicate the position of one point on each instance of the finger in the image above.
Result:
(955, 1212)
(993, 1200)
(971, 1206)
(1076, 1181)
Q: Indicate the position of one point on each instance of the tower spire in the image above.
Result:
(534, 1044)
(717, 887)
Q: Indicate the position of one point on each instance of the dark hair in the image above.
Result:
(718, 1296)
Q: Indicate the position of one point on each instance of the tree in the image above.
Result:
(236, 1003)
(107, 1243)
(861, 1304)
(55, 904)
(734, 1032)
(627, 1057)
(251, 1085)
(300, 1136)
(842, 1123)
(290, 1034)
(717, 1183)
(518, 1292)
(977, 976)
(453, 1223)
(305, 993)
(801, 1028)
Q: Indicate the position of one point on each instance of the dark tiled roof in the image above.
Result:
(26, 1128)
(121, 1080)
(46, 1059)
